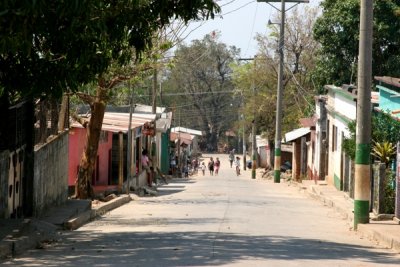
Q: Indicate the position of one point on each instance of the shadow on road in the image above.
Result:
(196, 248)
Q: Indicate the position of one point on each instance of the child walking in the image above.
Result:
(237, 166)
(203, 168)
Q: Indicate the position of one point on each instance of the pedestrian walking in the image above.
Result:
(237, 166)
(211, 166)
(231, 156)
(217, 164)
(203, 168)
(147, 168)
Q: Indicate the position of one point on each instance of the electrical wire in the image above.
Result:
(252, 29)
(229, 12)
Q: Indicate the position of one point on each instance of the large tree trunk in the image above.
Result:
(88, 160)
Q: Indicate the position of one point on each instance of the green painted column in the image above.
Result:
(362, 184)
(362, 190)
(164, 164)
(277, 165)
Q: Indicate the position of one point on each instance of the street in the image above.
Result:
(221, 220)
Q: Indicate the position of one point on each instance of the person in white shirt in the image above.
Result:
(237, 166)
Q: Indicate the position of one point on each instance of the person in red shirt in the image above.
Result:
(146, 167)
(217, 164)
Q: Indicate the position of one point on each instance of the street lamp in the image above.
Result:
(277, 162)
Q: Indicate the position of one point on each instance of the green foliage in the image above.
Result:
(48, 46)
(349, 143)
(383, 151)
(390, 193)
(337, 30)
(300, 49)
(385, 129)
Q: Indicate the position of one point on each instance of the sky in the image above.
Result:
(239, 22)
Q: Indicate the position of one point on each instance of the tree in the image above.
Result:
(298, 93)
(201, 75)
(49, 46)
(337, 30)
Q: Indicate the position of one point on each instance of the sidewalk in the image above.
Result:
(387, 232)
(18, 235)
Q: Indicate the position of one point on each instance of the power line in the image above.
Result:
(194, 93)
(252, 29)
(238, 8)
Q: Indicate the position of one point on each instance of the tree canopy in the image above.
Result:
(262, 74)
(48, 46)
(337, 30)
(202, 76)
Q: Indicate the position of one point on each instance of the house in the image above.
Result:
(112, 157)
(264, 152)
(163, 129)
(389, 95)
(193, 147)
(299, 138)
(341, 108)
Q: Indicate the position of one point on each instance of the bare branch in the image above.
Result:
(89, 99)
(83, 121)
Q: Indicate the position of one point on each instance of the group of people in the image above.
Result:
(214, 166)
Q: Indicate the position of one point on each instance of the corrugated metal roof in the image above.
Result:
(297, 133)
(388, 80)
(119, 122)
(184, 137)
(186, 130)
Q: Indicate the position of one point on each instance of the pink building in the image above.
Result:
(102, 173)
(111, 164)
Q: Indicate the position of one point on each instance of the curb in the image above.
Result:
(90, 215)
(32, 232)
(362, 229)
(377, 236)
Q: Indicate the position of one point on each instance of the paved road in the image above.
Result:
(216, 221)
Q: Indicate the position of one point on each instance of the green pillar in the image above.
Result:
(363, 130)
(277, 165)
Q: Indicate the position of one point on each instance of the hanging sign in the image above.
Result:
(148, 129)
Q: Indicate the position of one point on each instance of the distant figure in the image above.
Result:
(146, 167)
(217, 164)
(173, 164)
(203, 168)
(237, 166)
(231, 156)
(211, 166)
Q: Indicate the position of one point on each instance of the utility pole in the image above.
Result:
(129, 152)
(244, 144)
(154, 92)
(253, 129)
(363, 130)
(279, 95)
(253, 170)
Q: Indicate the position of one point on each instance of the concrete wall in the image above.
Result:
(4, 165)
(50, 183)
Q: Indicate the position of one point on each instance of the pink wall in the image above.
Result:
(77, 140)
